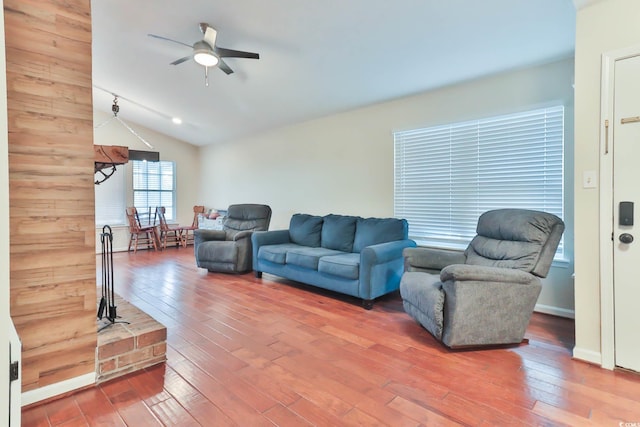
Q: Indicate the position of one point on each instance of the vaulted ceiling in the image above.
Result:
(316, 57)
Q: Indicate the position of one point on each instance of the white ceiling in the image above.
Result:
(316, 57)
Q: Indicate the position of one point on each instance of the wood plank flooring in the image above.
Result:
(263, 352)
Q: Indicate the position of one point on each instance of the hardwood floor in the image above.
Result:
(253, 352)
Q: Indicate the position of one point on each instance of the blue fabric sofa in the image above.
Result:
(361, 257)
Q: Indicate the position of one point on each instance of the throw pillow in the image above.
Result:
(372, 231)
(338, 232)
(305, 230)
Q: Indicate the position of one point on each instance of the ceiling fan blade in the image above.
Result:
(181, 60)
(210, 36)
(230, 53)
(224, 67)
(168, 39)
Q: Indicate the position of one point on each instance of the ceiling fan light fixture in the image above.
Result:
(204, 55)
(206, 59)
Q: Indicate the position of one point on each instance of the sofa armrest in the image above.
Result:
(384, 252)
(478, 273)
(262, 238)
(273, 237)
(431, 260)
(381, 268)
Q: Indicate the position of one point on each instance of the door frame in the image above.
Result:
(607, 308)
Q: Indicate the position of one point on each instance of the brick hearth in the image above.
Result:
(124, 348)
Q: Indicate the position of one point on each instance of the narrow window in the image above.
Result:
(110, 200)
(154, 185)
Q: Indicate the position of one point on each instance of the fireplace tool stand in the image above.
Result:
(107, 306)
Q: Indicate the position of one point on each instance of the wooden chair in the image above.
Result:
(188, 231)
(140, 234)
(170, 233)
(146, 217)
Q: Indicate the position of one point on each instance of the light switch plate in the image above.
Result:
(589, 179)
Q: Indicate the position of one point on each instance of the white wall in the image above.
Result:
(602, 27)
(185, 155)
(344, 163)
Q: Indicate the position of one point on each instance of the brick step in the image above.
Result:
(124, 348)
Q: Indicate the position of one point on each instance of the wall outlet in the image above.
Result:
(589, 179)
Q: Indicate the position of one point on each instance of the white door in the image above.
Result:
(626, 197)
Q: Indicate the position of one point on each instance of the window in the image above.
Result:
(447, 176)
(110, 200)
(154, 185)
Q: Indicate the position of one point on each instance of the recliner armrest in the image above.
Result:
(479, 273)
(486, 305)
(246, 234)
(431, 259)
(204, 235)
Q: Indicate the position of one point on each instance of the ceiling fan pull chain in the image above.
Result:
(206, 76)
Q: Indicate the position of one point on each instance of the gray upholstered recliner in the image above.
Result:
(486, 295)
(229, 250)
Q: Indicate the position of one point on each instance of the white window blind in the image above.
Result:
(110, 200)
(447, 176)
(154, 185)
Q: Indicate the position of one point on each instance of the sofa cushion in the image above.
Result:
(308, 257)
(275, 253)
(372, 231)
(343, 265)
(305, 230)
(338, 232)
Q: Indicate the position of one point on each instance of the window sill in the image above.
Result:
(561, 262)
(117, 226)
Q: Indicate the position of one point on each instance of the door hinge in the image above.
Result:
(14, 372)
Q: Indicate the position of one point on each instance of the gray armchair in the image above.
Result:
(229, 250)
(486, 295)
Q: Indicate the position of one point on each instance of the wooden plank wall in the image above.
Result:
(51, 190)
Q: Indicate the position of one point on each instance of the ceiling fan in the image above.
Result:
(206, 53)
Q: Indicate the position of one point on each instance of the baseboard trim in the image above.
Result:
(590, 356)
(555, 311)
(52, 390)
